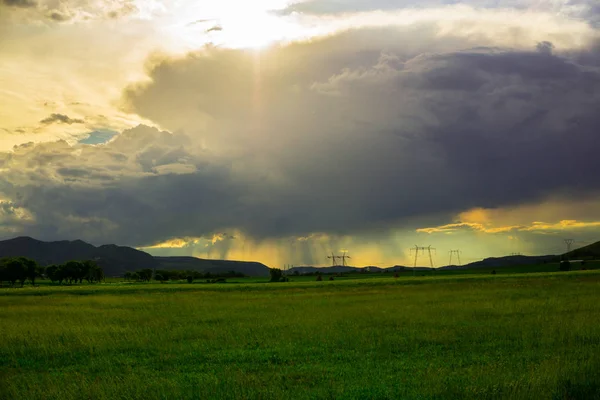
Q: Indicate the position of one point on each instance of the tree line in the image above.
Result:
(22, 269)
(163, 275)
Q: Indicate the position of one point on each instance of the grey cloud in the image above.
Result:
(127, 8)
(20, 3)
(587, 9)
(545, 47)
(354, 132)
(61, 119)
(61, 11)
(58, 16)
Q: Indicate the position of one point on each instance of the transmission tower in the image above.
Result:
(457, 252)
(422, 250)
(343, 257)
(333, 257)
(569, 243)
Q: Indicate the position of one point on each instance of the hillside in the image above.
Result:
(509, 261)
(212, 266)
(591, 251)
(116, 260)
(344, 269)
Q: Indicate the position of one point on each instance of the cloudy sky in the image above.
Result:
(280, 131)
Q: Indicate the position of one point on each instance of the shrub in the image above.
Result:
(565, 265)
(190, 279)
(319, 278)
(331, 278)
(494, 272)
(276, 274)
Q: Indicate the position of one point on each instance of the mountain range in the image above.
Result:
(116, 260)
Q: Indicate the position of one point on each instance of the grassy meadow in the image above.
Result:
(443, 336)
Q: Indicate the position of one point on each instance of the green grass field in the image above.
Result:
(443, 336)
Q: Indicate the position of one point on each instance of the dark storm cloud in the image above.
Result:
(332, 136)
(61, 119)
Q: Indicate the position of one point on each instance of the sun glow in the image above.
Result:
(231, 24)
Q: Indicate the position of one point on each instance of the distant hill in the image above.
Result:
(509, 261)
(591, 251)
(492, 262)
(212, 266)
(345, 269)
(116, 260)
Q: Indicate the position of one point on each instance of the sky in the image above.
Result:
(281, 131)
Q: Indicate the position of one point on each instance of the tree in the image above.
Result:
(61, 274)
(276, 274)
(14, 269)
(52, 272)
(73, 271)
(565, 265)
(33, 269)
(3, 272)
(93, 272)
(144, 274)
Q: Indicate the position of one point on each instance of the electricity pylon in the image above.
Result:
(422, 249)
(343, 257)
(457, 252)
(569, 243)
(333, 258)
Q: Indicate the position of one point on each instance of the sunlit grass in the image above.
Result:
(471, 336)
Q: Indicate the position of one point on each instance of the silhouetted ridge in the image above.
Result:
(591, 251)
(249, 268)
(116, 260)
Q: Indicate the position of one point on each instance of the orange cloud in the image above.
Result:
(474, 226)
(563, 225)
(177, 243)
